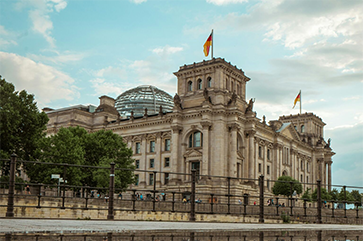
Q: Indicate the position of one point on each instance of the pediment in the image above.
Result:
(290, 132)
(193, 153)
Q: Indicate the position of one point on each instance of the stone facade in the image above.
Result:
(214, 130)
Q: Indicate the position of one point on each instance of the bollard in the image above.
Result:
(10, 208)
(64, 185)
(111, 192)
(261, 182)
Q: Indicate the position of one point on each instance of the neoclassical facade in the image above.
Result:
(212, 129)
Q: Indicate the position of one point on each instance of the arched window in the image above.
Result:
(284, 173)
(200, 83)
(209, 82)
(190, 86)
(302, 129)
(196, 139)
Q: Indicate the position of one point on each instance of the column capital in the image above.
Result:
(250, 133)
(234, 126)
(176, 128)
(158, 134)
(206, 124)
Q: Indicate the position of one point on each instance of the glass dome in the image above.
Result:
(141, 97)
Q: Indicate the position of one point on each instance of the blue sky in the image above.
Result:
(71, 52)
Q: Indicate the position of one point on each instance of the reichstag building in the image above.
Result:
(208, 126)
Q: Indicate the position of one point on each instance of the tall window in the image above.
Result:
(232, 86)
(302, 129)
(302, 165)
(209, 82)
(195, 139)
(260, 152)
(167, 145)
(268, 169)
(307, 166)
(136, 179)
(137, 164)
(196, 166)
(190, 86)
(137, 148)
(307, 179)
(152, 163)
(301, 178)
(268, 154)
(259, 167)
(167, 162)
(200, 84)
(151, 179)
(166, 178)
(152, 146)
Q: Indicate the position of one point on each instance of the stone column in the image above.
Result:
(175, 158)
(232, 162)
(158, 161)
(329, 175)
(205, 161)
(143, 160)
(251, 139)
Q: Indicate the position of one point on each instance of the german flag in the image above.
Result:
(297, 99)
(207, 45)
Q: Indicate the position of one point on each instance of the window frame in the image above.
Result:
(137, 164)
(151, 163)
(151, 178)
(167, 144)
(199, 84)
(190, 86)
(152, 146)
(137, 148)
(167, 162)
(193, 140)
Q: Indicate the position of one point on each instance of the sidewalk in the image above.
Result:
(86, 226)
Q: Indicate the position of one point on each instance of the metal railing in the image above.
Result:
(188, 193)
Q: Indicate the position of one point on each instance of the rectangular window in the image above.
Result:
(167, 162)
(307, 166)
(260, 152)
(137, 164)
(136, 179)
(137, 148)
(307, 179)
(302, 165)
(268, 169)
(151, 163)
(167, 145)
(166, 178)
(151, 179)
(152, 146)
(259, 167)
(268, 154)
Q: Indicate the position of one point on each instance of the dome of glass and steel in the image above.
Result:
(141, 97)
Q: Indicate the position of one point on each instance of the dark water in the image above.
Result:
(330, 235)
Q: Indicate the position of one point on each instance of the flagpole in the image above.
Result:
(212, 44)
(300, 101)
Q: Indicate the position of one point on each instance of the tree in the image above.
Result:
(74, 145)
(307, 195)
(325, 196)
(334, 194)
(283, 186)
(21, 123)
(357, 197)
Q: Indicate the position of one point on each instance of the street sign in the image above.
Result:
(55, 176)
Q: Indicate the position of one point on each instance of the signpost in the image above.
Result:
(57, 176)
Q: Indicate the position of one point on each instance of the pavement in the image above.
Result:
(103, 226)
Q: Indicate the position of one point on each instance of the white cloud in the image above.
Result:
(46, 82)
(167, 50)
(138, 1)
(58, 58)
(357, 97)
(225, 2)
(6, 37)
(102, 87)
(39, 15)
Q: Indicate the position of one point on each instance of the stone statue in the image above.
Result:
(264, 120)
(205, 94)
(145, 114)
(161, 110)
(250, 106)
(177, 102)
(233, 99)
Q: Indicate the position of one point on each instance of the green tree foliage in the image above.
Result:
(282, 186)
(357, 197)
(307, 195)
(325, 196)
(334, 194)
(74, 145)
(348, 196)
(21, 123)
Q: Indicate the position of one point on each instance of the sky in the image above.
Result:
(69, 52)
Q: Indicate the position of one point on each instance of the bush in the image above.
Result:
(4, 183)
(285, 218)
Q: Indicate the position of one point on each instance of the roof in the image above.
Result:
(284, 125)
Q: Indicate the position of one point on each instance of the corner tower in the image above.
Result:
(216, 77)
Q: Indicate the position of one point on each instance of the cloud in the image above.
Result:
(102, 87)
(225, 2)
(46, 82)
(138, 1)
(56, 57)
(39, 15)
(167, 50)
(6, 37)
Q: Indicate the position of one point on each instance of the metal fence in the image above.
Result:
(191, 193)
